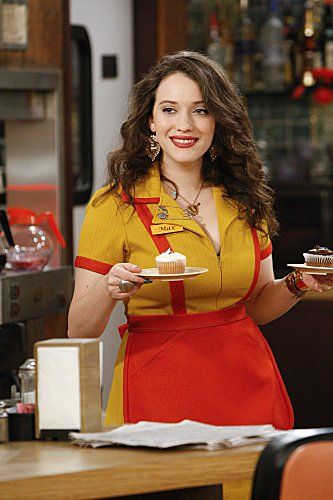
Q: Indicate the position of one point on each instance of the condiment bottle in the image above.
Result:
(27, 376)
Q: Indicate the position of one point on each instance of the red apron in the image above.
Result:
(213, 367)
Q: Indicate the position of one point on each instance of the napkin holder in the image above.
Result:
(68, 387)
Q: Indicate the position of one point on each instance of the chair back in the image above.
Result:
(296, 466)
(308, 472)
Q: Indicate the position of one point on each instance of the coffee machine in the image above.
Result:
(33, 305)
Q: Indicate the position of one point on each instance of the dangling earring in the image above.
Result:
(154, 147)
(213, 151)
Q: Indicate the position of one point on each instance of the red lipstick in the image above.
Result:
(182, 141)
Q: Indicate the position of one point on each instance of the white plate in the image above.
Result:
(312, 269)
(190, 272)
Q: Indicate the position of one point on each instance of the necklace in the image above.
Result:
(192, 209)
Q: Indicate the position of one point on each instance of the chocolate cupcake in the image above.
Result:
(319, 257)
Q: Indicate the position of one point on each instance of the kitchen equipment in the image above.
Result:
(10, 387)
(3, 258)
(33, 306)
(6, 227)
(7, 235)
(32, 105)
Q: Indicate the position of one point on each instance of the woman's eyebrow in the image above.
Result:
(175, 102)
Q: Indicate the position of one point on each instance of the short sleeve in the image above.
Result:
(102, 239)
(266, 247)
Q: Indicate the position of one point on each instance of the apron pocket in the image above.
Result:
(144, 349)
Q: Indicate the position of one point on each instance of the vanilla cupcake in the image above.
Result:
(171, 262)
(319, 257)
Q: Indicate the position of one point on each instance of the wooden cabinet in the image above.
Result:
(48, 28)
(48, 47)
(159, 29)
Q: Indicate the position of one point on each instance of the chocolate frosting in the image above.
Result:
(318, 250)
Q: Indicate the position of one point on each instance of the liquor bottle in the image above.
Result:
(318, 10)
(290, 37)
(244, 49)
(326, 36)
(273, 48)
(215, 49)
(307, 46)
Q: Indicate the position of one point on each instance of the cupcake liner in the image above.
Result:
(175, 267)
(318, 260)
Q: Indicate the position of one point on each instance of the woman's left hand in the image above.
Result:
(318, 283)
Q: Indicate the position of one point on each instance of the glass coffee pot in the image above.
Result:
(33, 243)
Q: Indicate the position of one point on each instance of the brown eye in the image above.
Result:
(168, 110)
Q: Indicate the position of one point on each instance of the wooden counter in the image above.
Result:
(52, 470)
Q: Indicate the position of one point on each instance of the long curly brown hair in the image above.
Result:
(238, 167)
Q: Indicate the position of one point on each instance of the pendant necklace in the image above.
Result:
(192, 209)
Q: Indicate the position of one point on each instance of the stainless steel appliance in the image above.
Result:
(31, 105)
(31, 305)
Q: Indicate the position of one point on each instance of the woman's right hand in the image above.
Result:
(123, 271)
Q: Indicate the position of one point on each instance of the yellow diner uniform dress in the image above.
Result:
(188, 350)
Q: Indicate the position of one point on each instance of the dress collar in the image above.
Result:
(151, 191)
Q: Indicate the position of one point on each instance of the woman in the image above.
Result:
(188, 176)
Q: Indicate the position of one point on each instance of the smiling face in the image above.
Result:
(181, 122)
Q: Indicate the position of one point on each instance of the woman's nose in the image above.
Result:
(185, 122)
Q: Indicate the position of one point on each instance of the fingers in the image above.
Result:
(318, 283)
(324, 283)
(126, 272)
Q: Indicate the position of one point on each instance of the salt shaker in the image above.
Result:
(27, 377)
(4, 435)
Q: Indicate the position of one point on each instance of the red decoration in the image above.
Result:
(323, 95)
(322, 90)
(324, 75)
(298, 92)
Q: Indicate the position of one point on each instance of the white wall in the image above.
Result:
(109, 25)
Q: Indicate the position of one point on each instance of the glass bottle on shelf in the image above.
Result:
(307, 46)
(326, 36)
(244, 48)
(274, 49)
(290, 37)
(226, 34)
(215, 49)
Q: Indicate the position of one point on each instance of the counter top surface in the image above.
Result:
(51, 469)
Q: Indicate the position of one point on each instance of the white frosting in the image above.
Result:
(170, 256)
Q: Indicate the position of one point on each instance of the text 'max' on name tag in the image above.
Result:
(165, 228)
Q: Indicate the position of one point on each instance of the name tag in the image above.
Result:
(165, 228)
